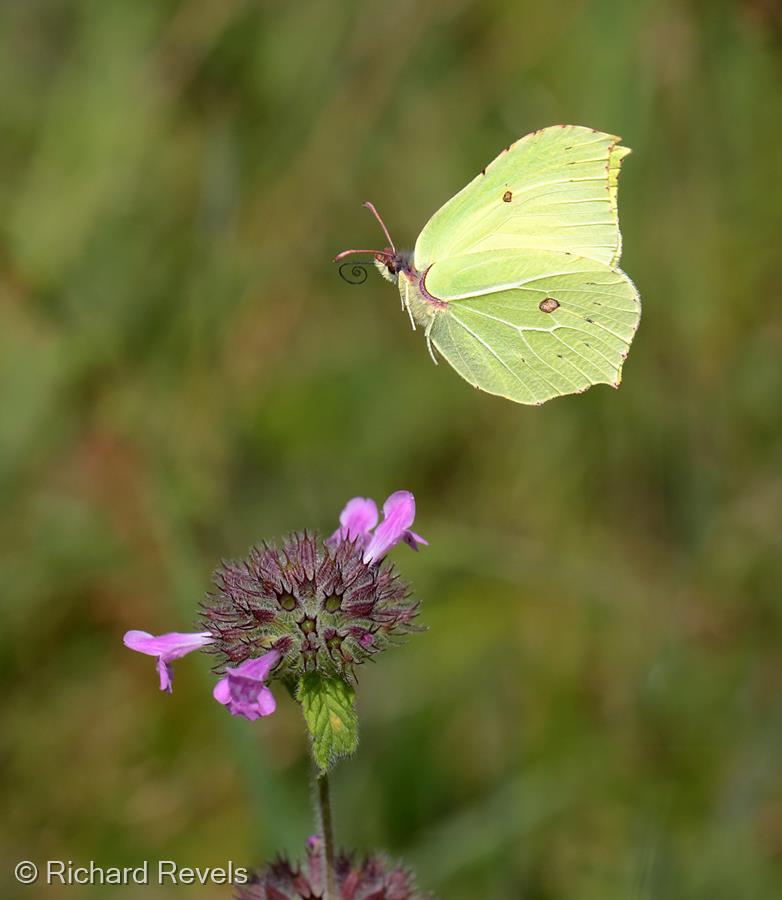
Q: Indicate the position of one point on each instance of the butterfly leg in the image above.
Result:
(429, 342)
(406, 303)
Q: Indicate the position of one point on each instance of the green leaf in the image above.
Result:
(329, 710)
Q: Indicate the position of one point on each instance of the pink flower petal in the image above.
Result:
(171, 645)
(266, 702)
(398, 516)
(359, 516)
(258, 668)
(356, 520)
(222, 692)
(414, 540)
(166, 647)
(166, 672)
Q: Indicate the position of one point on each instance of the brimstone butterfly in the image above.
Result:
(515, 280)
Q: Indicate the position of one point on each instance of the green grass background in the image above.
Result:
(596, 710)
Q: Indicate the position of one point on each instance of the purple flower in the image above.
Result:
(166, 647)
(324, 606)
(243, 689)
(359, 518)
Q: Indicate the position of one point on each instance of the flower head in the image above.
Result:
(166, 647)
(372, 877)
(321, 607)
(307, 605)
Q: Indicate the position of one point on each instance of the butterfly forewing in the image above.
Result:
(554, 189)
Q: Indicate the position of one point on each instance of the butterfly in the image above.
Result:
(515, 280)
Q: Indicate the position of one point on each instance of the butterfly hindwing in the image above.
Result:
(559, 324)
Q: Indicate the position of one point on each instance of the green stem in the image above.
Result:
(323, 811)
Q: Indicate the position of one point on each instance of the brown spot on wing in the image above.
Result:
(548, 305)
(507, 196)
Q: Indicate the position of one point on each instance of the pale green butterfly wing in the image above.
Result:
(523, 261)
(551, 324)
(554, 189)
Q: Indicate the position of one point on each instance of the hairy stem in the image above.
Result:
(325, 827)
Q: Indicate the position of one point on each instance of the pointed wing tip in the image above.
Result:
(616, 139)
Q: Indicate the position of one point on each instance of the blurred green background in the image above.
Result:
(596, 710)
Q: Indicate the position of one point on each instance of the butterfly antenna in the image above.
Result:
(345, 253)
(376, 214)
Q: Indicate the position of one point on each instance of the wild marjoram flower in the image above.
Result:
(310, 606)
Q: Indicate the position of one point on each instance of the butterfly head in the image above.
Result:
(389, 261)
